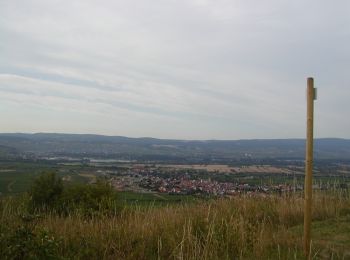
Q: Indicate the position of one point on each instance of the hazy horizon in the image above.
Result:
(190, 70)
(152, 137)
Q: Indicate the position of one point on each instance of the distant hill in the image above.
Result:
(87, 145)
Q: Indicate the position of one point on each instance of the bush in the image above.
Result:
(46, 191)
(27, 243)
(23, 237)
(99, 198)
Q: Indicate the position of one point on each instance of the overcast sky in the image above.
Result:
(185, 69)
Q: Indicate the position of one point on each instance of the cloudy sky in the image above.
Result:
(189, 69)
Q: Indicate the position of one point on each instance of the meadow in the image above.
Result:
(242, 227)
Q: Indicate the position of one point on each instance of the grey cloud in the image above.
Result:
(228, 69)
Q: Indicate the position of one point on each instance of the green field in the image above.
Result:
(154, 199)
(16, 177)
(15, 182)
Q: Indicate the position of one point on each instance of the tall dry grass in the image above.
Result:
(239, 228)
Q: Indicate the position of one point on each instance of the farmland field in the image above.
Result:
(15, 182)
(230, 169)
(16, 177)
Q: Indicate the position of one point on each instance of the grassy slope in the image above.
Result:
(331, 237)
(240, 228)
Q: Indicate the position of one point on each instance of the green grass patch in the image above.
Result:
(128, 198)
(330, 237)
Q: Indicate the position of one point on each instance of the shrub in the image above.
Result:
(23, 237)
(46, 191)
(99, 198)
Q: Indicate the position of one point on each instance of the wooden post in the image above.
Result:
(311, 96)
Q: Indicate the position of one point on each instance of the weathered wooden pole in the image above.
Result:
(311, 96)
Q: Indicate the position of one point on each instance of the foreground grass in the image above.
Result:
(239, 228)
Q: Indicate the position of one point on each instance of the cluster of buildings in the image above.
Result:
(142, 181)
(186, 184)
(207, 187)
